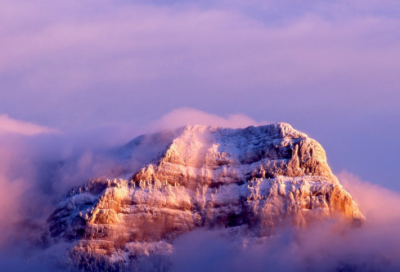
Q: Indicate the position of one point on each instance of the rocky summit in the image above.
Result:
(248, 182)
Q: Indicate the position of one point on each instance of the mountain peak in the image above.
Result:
(210, 155)
(281, 129)
(252, 179)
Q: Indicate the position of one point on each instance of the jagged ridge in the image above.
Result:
(254, 179)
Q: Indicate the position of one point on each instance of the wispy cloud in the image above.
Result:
(30, 191)
(188, 116)
(380, 205)
(12, 126)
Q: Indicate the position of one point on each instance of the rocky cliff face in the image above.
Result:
(247, 181)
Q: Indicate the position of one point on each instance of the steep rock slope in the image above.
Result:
(249, 181)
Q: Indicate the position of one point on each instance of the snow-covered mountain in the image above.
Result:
(248, 182)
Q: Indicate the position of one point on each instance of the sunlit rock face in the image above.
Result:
(250, 181)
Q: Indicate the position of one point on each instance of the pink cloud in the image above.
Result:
(378, 204)
(16, 172)
(187, 116)
(12, 126)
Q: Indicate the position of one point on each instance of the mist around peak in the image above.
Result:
(34, 177)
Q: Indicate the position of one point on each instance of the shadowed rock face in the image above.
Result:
(248, 180)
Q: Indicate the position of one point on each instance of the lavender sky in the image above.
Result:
(101, 68)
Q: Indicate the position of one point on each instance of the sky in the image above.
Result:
(329, 68)
(82, 75)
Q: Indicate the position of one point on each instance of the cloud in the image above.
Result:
(16, 178)
(38, 164)
(321, 246)
(30, 191)
(188, 116)
(378, 204)
(12, 126)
